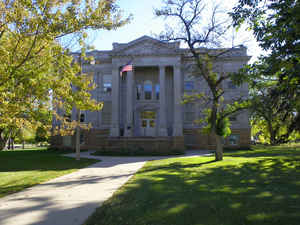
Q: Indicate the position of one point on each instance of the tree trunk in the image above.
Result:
(9, 144)
(2, 143)
(23, 144)
(272, 133)
(219, 148)
(3, 140)
(12, 144)
(78, 136)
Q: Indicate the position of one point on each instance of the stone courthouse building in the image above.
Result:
(143, 109)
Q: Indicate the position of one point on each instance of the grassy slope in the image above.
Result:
(20, 169)
(249, 187)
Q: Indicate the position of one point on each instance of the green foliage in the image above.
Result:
(223, 127)
(41, 135)
(37, 71)
(275, 25)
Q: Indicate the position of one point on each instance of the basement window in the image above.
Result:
(234, 139)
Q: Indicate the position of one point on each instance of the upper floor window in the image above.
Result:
(189, 106)
(82, 117)
(148, 90)
(157, 90)
(232, 118)
(188, 85)
(231, 85)
(106, 84)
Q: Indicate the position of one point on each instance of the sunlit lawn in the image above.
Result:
(20, 169)
(260, 186)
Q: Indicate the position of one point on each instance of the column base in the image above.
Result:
(163, 132)
(114, 131)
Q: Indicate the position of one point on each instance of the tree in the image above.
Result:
(271, 114)
(195, 30)
(275, 25)
(41, 135)
(37, 71)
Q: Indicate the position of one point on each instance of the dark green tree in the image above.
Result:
(275, 24)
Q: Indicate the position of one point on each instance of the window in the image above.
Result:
(234, 139)
(152, 123)
(148, 90)
(189, 117)
(189, 113)
(157, 90)
(106, 85)
(68, 117)
(188, 85)
(231, 85)
(106, 113)
(82, 118)
(189, 106)
(139, 92)
(232, 118)
(81, 139)
(148, 115)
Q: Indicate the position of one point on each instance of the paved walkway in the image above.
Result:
(70, 199)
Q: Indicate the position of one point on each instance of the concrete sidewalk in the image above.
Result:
(71, 199)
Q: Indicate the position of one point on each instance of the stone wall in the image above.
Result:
(195, 139)
(95, 139)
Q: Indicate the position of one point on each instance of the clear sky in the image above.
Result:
(145, 23)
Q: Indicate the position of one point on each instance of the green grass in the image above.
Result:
(20, 169)
(259, 186)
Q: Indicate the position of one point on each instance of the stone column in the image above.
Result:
(177, 125)
(115, 85)
(162, 102)
(129, 105)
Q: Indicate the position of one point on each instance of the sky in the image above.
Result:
(144, 22)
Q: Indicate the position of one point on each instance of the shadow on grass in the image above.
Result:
(265, 151)
(41, 160)
(174, 166)
(262, 191)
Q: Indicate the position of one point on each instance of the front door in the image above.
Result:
(148, 123)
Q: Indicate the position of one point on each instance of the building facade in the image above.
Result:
(143, 107)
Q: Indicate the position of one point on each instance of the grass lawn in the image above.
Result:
(260, 186)
(20, 169)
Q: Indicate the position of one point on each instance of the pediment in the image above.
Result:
(146, 46)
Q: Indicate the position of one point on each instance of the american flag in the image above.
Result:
(127, 67)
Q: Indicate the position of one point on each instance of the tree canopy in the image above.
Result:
(38, 73)
(275, 25)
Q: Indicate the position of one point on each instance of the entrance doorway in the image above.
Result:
(148, 120)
